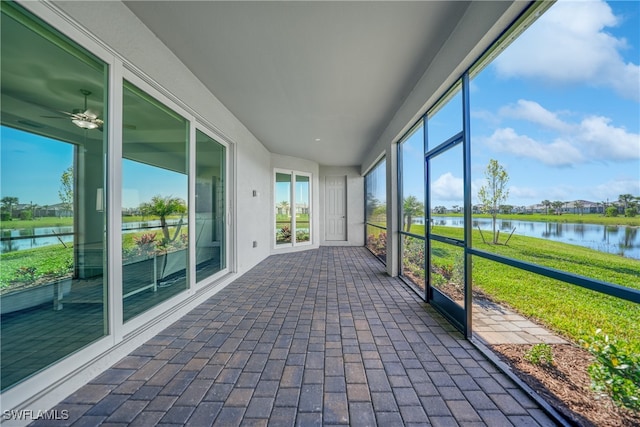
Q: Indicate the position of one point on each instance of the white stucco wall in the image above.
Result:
(355, 205)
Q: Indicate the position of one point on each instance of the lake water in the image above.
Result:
(29, 238)
(620, 240)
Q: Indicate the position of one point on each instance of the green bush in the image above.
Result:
(540, 354)
(630, 212)
(616, 371)
(26, 215)
(5, 216)
(611, 211)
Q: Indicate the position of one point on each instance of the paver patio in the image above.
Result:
(320, 337)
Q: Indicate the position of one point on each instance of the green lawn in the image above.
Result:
(570, 310)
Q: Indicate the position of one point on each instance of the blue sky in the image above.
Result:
(559, 109)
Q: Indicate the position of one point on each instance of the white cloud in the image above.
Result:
(448, 187)
(524, 192)
(568, 44)
(622, 185)
(557, 153)
(603, 141)
(592, 139)
(533, 112)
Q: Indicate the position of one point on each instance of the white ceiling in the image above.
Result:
(298, 72)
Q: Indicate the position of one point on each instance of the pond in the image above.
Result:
(29, 238)
(620, 240)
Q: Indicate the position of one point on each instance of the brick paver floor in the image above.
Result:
(319, 337)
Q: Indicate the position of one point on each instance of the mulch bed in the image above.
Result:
(566, 385)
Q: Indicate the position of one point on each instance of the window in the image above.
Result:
(53, 148)
(210, 206)
(375, 187)
(292, 208)
(154, 202)
(412, 218)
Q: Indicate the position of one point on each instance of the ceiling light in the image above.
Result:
(317, 139)
(84, 124)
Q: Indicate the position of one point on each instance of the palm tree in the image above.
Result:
(625, 199)
(547, 205)
(7, 204)
(557, 206)
(411, 208)
(164, 207)
(284, 206)
(579, 205)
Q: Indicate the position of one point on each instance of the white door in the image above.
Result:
(336, 208)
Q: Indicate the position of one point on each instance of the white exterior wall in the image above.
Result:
(355, 205)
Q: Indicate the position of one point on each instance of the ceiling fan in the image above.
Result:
(83, 118)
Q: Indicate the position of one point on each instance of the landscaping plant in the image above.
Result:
(540, 354)
(616, 371)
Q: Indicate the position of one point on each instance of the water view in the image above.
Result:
(620, 240)
(31, 238)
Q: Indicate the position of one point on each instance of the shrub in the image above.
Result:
(5, 216)
(26, 215)
(540, 354)
(611, 211)
(616, 371)
(630, 212)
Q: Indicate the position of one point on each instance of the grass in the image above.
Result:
(570, 310)
(53, 260)
(567, 218)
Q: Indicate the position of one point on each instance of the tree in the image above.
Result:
(164, 207)
(579, 205)
(7, 205)
(66, 188)
(495, 192)
(547, 205)
(557, 207)
(411, 208)
(284, 206)
(625, 199)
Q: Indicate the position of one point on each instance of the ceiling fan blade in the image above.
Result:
(90, 114)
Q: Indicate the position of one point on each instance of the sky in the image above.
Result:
(559, 109)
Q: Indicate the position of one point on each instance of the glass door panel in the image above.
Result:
(283, 209)
(446, 255)
(210, 206)
(302, 209)
(154, 202)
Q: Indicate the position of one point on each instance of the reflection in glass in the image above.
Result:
(283, 209)
(53, 287)
(154, 177)
(210, 206)
(303, 202)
